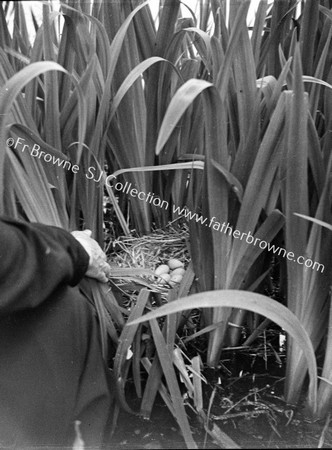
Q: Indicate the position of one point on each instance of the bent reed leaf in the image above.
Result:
(257, 303)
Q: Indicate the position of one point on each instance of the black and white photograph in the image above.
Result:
(165, 224)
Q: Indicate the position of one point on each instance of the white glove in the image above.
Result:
(98, 267)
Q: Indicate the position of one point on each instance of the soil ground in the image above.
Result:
(248, 407)
(161, 432)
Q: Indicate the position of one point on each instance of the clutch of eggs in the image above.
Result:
(170, 273)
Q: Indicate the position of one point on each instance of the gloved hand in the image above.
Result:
(98, 267)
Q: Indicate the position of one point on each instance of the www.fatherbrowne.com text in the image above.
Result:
(226, 228)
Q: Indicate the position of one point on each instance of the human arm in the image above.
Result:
(35, 261)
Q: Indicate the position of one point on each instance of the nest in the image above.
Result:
(134, 259)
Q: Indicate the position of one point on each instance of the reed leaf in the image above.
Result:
(8, 94)
(172, 383)
(126, 338)
(179, 103)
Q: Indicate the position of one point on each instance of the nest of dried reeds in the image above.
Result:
(134, 259)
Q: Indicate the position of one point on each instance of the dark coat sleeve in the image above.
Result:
(36, 260)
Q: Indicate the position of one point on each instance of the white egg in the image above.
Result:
(178, 271)
(164, 278)
(163, 268)
(175, 263)
(176, 278)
